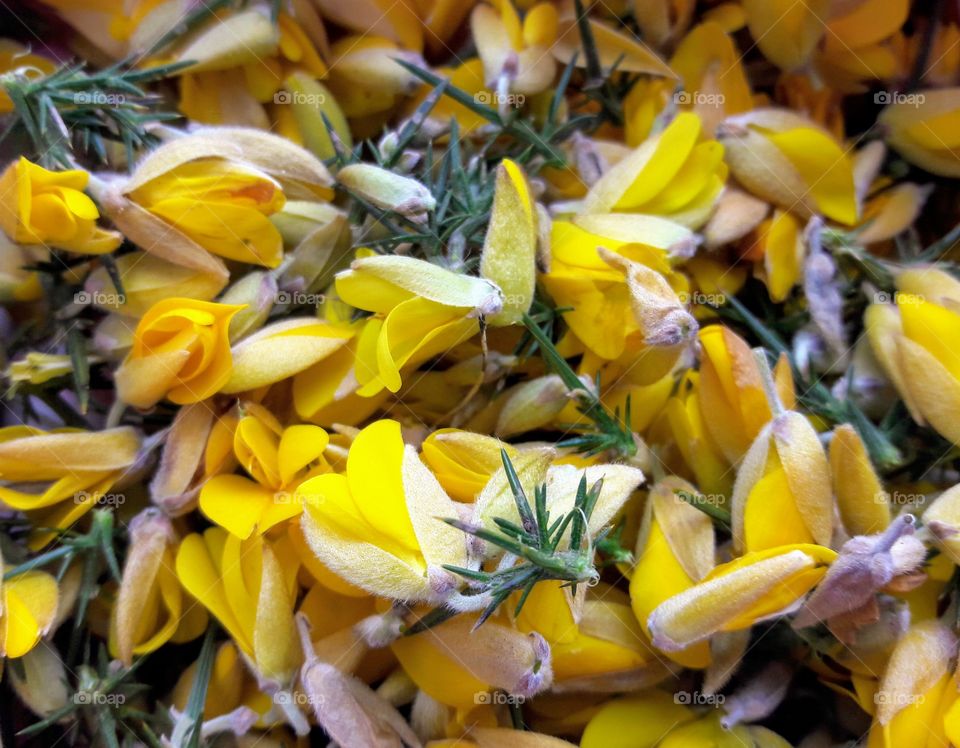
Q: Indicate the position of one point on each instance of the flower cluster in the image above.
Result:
(481, 373)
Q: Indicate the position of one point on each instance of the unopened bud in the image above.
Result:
(388, 190)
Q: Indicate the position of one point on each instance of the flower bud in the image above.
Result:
(148, 583)
(864, 505)
(387, 190)
(41, 681)
(256, 293)
(510, 246)
(531, 405)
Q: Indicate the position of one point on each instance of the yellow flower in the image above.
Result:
(29, 609)
(284, 349)
(916, 689)
(782, 494)
(731, 391)
(16, 57)
(864, 505)
(922, 127)
(672, 174)
(50, 207)
(675, 550)
(780, 240)
(146, 280)
(74, 469)
(787, 33)
(713, 77)
(515, 53)
(590, 638)
(16, 282)
(421, 310)
(249, 586)
(232, 686)
(277, 459)
(692, 437)
(792, 162)
(737, 594)
(367, 82)
(241, 62)
(181, 351)
(222, 206)
(395, 21)
(856, 43)
(463, 461)
(624, 304)
(454, 664)
(151, 608)
(913, 340)
(509, 257)
(656, 718)
(647, 716)
(380, 525)
(467, 76)
(212, 192)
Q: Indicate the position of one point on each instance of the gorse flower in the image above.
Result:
(181, 351)
(379, 525)
(51, 208)
(278, 459)
(499, 373)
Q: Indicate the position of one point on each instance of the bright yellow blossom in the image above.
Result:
(38, 206)
(380, 526)
(278, 459)
(58, 476)
(181, 351)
